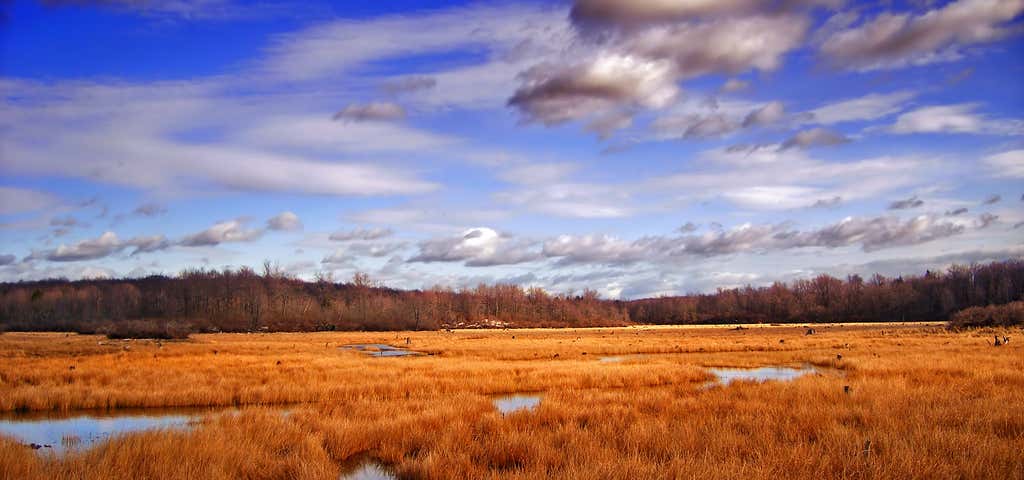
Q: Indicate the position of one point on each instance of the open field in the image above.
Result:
(923, 402)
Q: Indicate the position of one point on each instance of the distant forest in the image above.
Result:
(245, 300)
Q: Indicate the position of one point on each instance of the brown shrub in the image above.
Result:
(1007, 315)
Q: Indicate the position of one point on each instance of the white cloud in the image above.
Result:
(957, 118)
(1006, 164)
(868, 107)
(476, 247)
(898, 40)
(222, 232)
(361, 234)
(374, 111)
(285, 221)
(578, 200)
(15, 200)
(103, 246)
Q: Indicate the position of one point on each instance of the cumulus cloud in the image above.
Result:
(554, 94)
(907, 203)
(103, 246)
(815, 137)
(869, 233)
(284, 221)
(1006, 164)
(222, 232)
(7, 259)
(374, 111)
(601, 249)
(640, 68)
(476, 247)
(146, 244)
(361, 234)
(729, 46)
(892, 40)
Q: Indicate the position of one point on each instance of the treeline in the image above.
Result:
(246, 301)
(934, 296)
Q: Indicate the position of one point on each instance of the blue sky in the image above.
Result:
(638, 148)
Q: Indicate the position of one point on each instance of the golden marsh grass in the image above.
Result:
(923, 402)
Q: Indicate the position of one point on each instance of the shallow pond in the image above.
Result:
(513, 403)
(380, 350)
(60, 432)
(726, 376)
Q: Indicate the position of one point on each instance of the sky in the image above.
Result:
(633, 147)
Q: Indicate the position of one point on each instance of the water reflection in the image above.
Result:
(726, 376)
(513, 403)
(367, 471)
(60, 432)
(380, 350)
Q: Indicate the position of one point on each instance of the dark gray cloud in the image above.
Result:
(636, 13)
(374, 111)
(766, 115)
(985, 220)
(7, 259)
(150, 210)
(956, 212)
(992, 199)
(892, 40)
(711, 125)
(906, 204)
(553, 94)
(828, 202)
(641, 68)
(815, 137)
